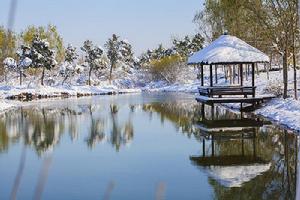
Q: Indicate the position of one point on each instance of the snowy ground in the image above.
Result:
(285, 112)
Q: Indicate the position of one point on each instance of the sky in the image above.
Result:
(144, 23)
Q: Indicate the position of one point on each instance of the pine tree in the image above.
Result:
(69, 66)
(113, 54)
(182, 47)
(196, 43)
(42, 56)
(93, 57)
(127, 52)
(24, 57)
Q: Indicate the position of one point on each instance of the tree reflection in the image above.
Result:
(96, 134)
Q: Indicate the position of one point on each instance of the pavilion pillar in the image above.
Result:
(216, 74)
(241, 75)
(211, 75)
(253, 78)
(202, 74)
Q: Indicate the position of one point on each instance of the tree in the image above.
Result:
(113, 54)
(49, 33)
(280, 19)
(68, 68)
(24, 55)
(42, 56)
(8, 42)
(197, 43)
(127, 52)
(8, 65)
(182, 46)
(93, 57)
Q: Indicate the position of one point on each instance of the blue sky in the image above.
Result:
(145, 23)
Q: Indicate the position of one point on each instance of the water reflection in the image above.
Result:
(243, 157)
(42, 128)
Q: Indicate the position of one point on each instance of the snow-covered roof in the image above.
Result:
(236, 176)
(228, 49)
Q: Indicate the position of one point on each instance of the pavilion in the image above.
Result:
(228, 51)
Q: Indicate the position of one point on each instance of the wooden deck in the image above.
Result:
(250, 100)
(227, 160)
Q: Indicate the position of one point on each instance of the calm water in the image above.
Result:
(142, 147)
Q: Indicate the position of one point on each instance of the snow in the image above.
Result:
(4, 105)
(26, 62)
(10, 62)
(236, 176)
(59, 91)
(228, 49)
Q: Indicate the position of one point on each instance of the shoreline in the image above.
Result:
(281, 117)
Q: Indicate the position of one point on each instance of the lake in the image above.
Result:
(143, 146)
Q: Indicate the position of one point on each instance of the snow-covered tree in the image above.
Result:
(113, 53)
(159, 53)
(93, 57)
(23, 56)
(25, 61)
(42, 56)
(182, 46)
(127, 52)
(197, 43)
(69, 67)
(9, 65)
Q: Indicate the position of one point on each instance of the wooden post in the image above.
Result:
(233, 73)
(211, 75)
(202, 75)
(241, 75)
(253, 78)
(203, 111)
(212, 145)
(203, 148)
(216, 73)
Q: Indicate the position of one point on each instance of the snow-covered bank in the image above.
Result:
(283, 111)
(9, 92)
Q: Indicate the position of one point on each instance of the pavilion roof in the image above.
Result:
(228, 49)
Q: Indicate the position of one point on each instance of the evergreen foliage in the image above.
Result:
(93, 57)
(113, 52)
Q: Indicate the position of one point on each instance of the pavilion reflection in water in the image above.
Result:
(234, 169)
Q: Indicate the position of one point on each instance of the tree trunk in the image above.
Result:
(285, 73)
(64, 80)
(295, 74)
(21, 74)
(43, 75)
(110, 71)
(294, 63)
(90, 74)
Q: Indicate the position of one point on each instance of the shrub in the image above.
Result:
(274, 88)
(166, 68)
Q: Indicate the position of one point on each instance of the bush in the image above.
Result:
(166, 68)
(274, 88)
